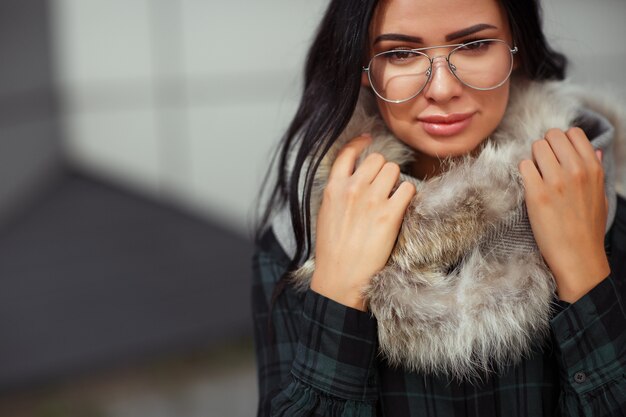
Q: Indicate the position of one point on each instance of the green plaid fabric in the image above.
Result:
(316, 357)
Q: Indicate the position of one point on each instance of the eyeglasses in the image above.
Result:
(399, 75)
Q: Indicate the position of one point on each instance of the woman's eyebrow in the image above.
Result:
(468, 31)
(398, 37)
(449, 37)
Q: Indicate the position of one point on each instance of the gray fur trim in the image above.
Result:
(466, 291)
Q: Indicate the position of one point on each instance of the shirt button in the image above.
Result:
(580, 377)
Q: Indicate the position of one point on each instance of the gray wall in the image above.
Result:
(592, 34)
(181, 99)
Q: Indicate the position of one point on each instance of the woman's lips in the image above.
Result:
(446, 125)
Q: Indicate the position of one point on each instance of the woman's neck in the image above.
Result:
(425, 166)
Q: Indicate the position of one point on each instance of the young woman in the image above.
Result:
(446, 234)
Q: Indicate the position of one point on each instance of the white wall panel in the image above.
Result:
(243, 62)
(169, 94)
(100, 40)
(106, 75)
(231, 150)
(584, 27)
(245, 36)
(119, 146)
(591, 34)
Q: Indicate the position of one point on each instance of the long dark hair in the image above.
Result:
(332, 79)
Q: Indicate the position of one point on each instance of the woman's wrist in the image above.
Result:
(577, 282)
(349, 298)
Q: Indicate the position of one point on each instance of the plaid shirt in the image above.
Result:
(321, 358)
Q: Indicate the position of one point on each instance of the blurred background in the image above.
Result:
(134, 135)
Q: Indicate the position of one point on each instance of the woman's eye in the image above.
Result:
(475, 46)
(400, 56)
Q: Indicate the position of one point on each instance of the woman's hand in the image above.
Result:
(358, 223)
(567, 209)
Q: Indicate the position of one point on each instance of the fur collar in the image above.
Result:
(465, 290)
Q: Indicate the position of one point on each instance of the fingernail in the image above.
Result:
(367, 135)
(599, 154)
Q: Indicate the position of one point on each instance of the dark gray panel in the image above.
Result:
(30, 159)
(30, 150)
(25, 52)
(94, 276)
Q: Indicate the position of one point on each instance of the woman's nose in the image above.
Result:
(443, 85)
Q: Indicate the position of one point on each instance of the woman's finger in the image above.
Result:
(547, 163)
(368, 169)
(532, 180)
(402, 196)
(581, 143)
(347, 156)
(564, 150)
(386, 179)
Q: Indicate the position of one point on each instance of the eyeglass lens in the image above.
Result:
(401, 74)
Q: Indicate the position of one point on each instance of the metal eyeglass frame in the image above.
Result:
(451, 66)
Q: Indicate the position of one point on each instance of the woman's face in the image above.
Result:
(430, 23)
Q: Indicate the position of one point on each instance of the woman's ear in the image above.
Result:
(517, 60)
(365, 81)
